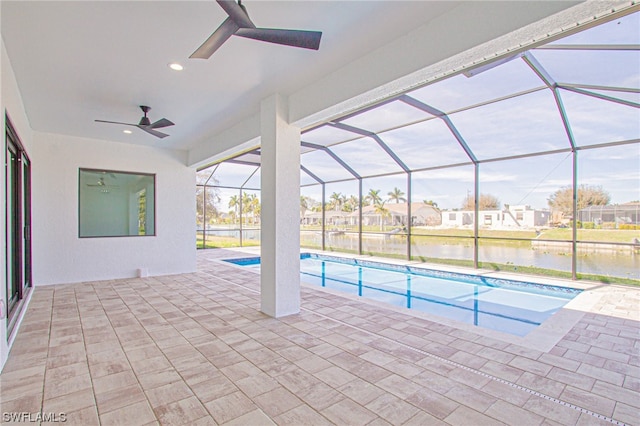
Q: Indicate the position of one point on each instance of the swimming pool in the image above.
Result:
(514, 307)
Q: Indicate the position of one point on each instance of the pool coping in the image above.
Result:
(542, 338)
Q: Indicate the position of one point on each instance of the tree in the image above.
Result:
(234, 203)
(211, 201)
(588, 195)
(304, 205)
(250, 206)
(337, 200)
(431, 203)
(373, 197)
(351, 204)
(396, 195)
(382, 211)
(485, 202)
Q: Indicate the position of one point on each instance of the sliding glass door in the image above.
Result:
(18, 225)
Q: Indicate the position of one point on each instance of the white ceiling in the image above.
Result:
(78, 61)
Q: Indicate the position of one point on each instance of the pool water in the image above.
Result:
(513, 307)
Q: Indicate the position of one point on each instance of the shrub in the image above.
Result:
(629, 226)
(588, 225)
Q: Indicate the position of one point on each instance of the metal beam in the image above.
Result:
(600, 96)
(249, 178)
(314, 177)
(444, 117)
(376, 138)
(588, 47)
(539, 70)
(333, 155)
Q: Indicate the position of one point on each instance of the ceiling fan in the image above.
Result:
(100, 183)
(238, 23)
(146, 124)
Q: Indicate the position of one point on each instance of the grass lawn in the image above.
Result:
(599, 235)
(225, 242)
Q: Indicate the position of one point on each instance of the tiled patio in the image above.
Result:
(194, 349)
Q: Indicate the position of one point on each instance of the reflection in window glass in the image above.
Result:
(116, 204)
(525, 124)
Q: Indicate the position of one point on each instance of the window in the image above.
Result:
(116, 204)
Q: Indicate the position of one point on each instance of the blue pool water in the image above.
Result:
(514, 307)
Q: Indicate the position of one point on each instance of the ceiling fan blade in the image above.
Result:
(115, 122)
(163, 122)
(215, 40)
(295, 38)
(155, 133)
(237, 13)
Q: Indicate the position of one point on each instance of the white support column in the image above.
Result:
(280, 210)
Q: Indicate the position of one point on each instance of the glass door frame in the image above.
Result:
(18, 226)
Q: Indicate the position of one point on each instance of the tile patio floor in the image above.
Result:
(194, 349)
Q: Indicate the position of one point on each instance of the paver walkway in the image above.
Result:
(194, 349)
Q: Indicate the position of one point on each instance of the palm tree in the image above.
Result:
(255, 208)
(250, 204)
(351, 204)
(304, 205)
(234, 203)
(382, 211)
(373, 197)
(337, 199)
(396, 195)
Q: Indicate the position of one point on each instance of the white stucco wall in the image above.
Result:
(60, 256)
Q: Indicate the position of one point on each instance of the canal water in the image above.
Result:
(624, 264)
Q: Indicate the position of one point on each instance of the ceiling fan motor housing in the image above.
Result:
(144, 121)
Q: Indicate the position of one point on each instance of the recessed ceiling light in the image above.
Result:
(127, 132)
(176, 66)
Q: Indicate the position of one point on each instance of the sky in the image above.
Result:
(526, 124)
